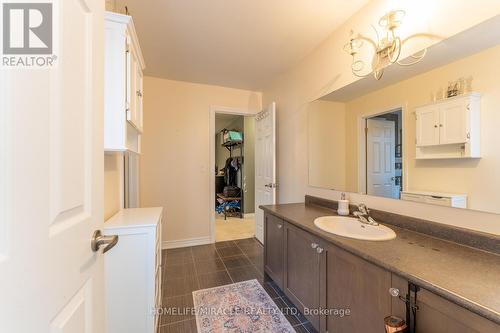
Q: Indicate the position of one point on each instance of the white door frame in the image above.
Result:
(361, 124)
(211, 177)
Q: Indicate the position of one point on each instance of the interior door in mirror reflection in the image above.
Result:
(380, 158)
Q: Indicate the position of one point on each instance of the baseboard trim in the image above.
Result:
(249, 216)
(174, 244)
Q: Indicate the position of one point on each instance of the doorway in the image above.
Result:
(234, 176)
(384, 154)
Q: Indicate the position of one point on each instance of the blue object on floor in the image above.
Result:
(227, 205)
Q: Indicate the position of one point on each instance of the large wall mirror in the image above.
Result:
(409, 137)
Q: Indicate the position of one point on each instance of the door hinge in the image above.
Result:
(366, 130)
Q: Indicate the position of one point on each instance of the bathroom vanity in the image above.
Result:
(454, 285)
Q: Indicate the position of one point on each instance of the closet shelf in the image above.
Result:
(232, 144)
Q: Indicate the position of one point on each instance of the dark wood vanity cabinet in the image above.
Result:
(304, 278)
(438, 315)
(273, 248)
(321, 278)
(358, 286)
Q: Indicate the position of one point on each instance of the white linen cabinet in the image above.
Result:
(124, 63)
(133, 271)
(449, 128)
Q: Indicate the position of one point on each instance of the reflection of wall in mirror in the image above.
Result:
(479, 179)
(327, 145)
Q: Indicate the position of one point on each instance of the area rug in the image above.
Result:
(239, 307)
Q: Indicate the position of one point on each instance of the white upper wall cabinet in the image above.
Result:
(427, 126)
(123, 85)
(449, 128)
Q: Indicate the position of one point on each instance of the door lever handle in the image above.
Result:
(98, 240)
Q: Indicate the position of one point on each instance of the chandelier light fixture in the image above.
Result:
(387, 49)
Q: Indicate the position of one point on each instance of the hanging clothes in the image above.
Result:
(231, 171)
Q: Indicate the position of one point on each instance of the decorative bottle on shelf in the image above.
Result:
(343, 208)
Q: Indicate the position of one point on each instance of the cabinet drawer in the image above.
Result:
(412, 197)
(438, 201)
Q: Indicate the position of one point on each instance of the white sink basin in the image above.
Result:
(352, 228)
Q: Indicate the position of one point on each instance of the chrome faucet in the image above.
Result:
(363, 215)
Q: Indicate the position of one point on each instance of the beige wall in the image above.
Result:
(327, 145)
(175, 157)
(328, 68)
(112, 184)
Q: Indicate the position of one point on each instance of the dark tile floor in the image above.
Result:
(188, 269)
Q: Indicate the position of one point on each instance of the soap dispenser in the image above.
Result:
(343, 208)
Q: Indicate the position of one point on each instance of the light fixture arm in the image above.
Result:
(387, 50)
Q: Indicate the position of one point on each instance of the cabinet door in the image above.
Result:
(453, 122)
(139, 96)
(427, 126)
(437, 315)
(361, 287)
(273, 248)
(132, 80)
(304, 268)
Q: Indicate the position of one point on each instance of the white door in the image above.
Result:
(51, 188)
(453, 122)
(380, 159)
(427, 126)
(265, 165)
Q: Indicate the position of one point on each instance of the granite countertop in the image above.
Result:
(466, 276)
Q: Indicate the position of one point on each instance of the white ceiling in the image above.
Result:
(233, 43)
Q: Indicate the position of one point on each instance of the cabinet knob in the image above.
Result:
(440, 125)
(435, 126)
(280, 226)
(319, 249)
(314, 245)
(394, 292)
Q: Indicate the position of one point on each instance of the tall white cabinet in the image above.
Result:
(133, 271)
(449, 128)
(124, 65)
